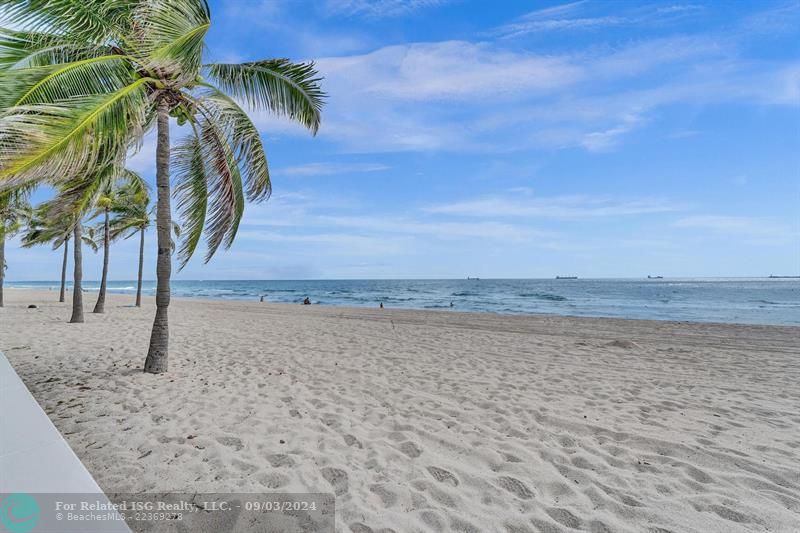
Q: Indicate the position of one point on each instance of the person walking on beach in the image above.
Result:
(381, 305)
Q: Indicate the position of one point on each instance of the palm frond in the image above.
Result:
(244, 139)
(45, 227)
(276, 85)
(130, 211)
(62, 81)
(170, 35)
(82, 20)
(15, 210)
(91, 238)
(24, 49)
(225, 188)
(62, 140)
(133, 188)
(191, 194)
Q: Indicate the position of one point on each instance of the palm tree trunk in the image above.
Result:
(156, 361)
(64, 271)
(77, 288)
(100, 306)
(2, 265)
(141, 268)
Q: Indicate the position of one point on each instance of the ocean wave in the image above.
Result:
(543, 296)
(756, 302)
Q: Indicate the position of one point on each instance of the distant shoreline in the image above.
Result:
(311, 280)
(361, 308)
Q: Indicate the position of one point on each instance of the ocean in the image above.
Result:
(732, 300)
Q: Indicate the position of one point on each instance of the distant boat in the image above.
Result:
(784, 277)
(473, 279)
(566, 277)
(655, 277)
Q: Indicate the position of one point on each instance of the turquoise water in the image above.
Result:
(752, 301)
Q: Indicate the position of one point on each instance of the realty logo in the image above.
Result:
(19, 513)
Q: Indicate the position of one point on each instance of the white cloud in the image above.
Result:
(378, 8)
(299, 212)
(460, 96)
(526, 25)
(329, 169)
(679, 8)
(600, 141)
(560, 207)
(560, 17)
(584, 15)
(499, 231)
(448, 69)
(341, 244)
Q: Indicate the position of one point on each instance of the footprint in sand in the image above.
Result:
(729, 514)
(388, 498)
(432, 520)
(518, 528)
(244, 467)
(564, 517)
(443, 476)
(331, 420)
(516, 487)
(337, 478)
(698, 475)
(273, 480)
(231, 442)
(350, 440)
(279, 459)
(457, 524)
(410, 449)
(596, 526)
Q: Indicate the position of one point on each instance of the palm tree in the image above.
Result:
(85, 80)
(49, 223)
(80, 237)
(132, 216)
(43, 228)
(108, 187)
(14, 210)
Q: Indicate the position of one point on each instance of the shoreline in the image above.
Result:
(439, 311)
(428, 421)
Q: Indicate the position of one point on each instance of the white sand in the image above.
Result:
(424, 421)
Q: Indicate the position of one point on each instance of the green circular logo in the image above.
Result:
(19, 513)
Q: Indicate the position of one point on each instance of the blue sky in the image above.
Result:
(515, 139)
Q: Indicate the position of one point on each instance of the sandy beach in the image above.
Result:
(430, 421)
